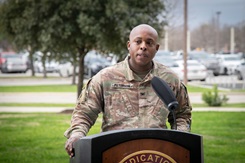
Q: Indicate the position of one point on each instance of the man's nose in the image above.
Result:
(143, 46)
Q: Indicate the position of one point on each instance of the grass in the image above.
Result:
(71, 105)
(66, 88)
(38, 137)
(32, 138)
(39, 88)
(228, 105)
(39, 104)
(224, 135)
(73, 88)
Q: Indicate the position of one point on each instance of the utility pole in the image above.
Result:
(166, 38)
(185, 42)
(188, 41)
(217, 31)
(232, 46)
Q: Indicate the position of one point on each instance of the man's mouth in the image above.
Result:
(142, 55)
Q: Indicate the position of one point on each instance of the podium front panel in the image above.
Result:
(146, 150)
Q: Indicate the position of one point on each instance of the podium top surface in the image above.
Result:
(144, 133)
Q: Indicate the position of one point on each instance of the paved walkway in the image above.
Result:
(46, 97)
(70, 98)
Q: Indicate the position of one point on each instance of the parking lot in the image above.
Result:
(223, 82)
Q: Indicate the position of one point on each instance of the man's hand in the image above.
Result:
(69, 145)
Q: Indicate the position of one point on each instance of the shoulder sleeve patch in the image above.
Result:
(82, 97)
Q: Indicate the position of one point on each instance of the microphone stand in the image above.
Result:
(171, 107)
(165, 93)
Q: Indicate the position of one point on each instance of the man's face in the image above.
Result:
(142, 46)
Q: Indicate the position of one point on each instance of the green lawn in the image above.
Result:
(71, 105)
(66, 88)
(39, 88)
(73, 88)
(38, 137)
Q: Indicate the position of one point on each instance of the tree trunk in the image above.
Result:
(43, 64)
(82, 54)
(31, 52)
(74, 74)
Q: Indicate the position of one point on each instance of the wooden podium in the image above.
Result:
(139, 146)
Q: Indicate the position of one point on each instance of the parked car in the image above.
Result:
(164, 53)
(240, 71)
(65, 69)
(195, 70)
(94, 62)
(207, 60)
(2, 56)
(51, 66)
(228, 63)
(168, 61)
(13, 63)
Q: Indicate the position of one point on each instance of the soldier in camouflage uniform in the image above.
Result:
(124, 95)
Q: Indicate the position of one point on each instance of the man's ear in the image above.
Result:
(128, 45)
(157, 47)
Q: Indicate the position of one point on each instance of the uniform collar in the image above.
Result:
(129, 74)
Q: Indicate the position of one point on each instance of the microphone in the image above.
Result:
(165, 93)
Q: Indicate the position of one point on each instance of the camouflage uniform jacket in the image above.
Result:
(128, 102)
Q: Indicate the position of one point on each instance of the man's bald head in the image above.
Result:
(143, 27)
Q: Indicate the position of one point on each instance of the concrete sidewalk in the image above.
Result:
(70, 98)
(61, 97)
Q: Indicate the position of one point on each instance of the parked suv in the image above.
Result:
(240, 71)
(228, 63)
(207, 60)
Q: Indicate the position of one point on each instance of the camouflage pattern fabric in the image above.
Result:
(128, 102)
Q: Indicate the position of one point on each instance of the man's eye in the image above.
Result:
(149, 42)
(138, 41)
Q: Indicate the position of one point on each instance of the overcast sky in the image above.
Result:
(201, 11)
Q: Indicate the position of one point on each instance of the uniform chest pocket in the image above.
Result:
(160, 111)
(118, 106)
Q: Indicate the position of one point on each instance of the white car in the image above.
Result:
(228, 63)
(66, 69)
(13, 63)
(195, 70)
(169, 62)
(51, 66)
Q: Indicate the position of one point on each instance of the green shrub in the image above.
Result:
(212, 98)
